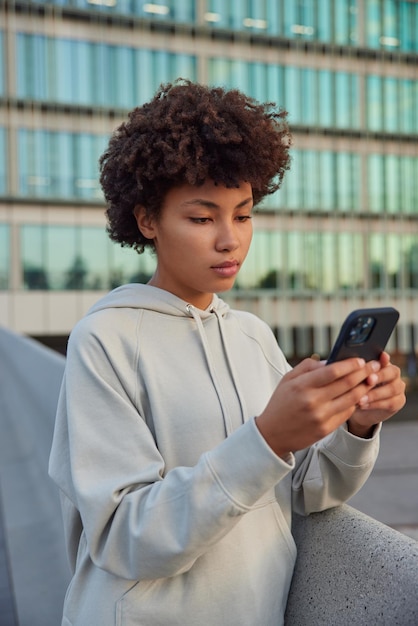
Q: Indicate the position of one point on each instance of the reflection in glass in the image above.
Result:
(59, 164)
(2, 65)
(376, 265)
(392, 184)
(3, 162)
(327, 253)
(328, 180)
(390, 24)
(4, 256)
(127, 266)
(391, 104)
(375, 183)
(322, 97)
(346, 100)
(83, 73)
(33, 257)
(348, 183)
(374, 103)
(411, 262)
(326, 108)
(78, 258)
(83, 258)
(178, 10)
(321, 181)
(408, 106)
(292, 94)
(350, 260)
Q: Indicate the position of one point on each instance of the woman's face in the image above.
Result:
(201, 237)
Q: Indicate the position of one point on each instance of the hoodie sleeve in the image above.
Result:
(139, 521)
(333, 470)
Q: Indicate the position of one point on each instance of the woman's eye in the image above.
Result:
(200, 220)
(244, 218)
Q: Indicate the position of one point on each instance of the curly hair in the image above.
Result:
(189, 133)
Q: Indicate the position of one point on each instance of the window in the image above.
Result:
(179, 10)
(292, 94)
(393, 198)
(350, 261)
(330, 262)
(311, 182)
(263, 267)
(76, 258)
(375, 183)
(86, 150)
(309, 97)
(392, 104)
(408, 106)
(410, 257)
(3, 162)
(346, 100)
(392, 24)
(312, 97)
(59, 164)
(2, 65)
(326, 115)
(392, 183)
(296, 264)
(33, 256)
(344, 33)
(377, 256)
(390, 100)
(96, 74)
(324, 20)
(321, 181)
(409, 184)
(4, 256)
(328, 180)
(327, 253)
(347, 183)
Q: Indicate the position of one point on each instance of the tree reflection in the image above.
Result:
(35, 278)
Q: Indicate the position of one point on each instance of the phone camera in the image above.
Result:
(361, 330)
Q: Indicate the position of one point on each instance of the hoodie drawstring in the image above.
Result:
(230, 363)
(206, 348)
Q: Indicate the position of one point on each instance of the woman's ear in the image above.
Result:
(144, 221)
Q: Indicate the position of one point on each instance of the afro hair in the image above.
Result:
(189, 133)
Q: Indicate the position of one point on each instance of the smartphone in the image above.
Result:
(364, 334)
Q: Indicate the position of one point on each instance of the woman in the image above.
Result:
(183, 439)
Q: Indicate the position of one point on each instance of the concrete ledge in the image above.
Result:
(352, 570)
(34, 571)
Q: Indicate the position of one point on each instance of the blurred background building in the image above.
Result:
(342, 232)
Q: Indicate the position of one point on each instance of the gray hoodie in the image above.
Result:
(176, 510)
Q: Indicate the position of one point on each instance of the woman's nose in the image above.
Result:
(227, 238)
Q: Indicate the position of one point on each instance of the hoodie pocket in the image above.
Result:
(285, 530)
(128, 607)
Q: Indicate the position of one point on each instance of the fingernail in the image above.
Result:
(363, 401)
(375, 366)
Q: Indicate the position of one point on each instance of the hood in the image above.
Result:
(140, 296)
(146, 297)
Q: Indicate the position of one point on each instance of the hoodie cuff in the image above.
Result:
(245, 466)
(352, 450)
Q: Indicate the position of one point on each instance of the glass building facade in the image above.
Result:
(341, 233)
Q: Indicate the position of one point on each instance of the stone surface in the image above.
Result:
(352, 570)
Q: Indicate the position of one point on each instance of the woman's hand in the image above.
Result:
(381, 402)
(314, 399)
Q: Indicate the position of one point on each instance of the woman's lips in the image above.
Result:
(226, 269)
